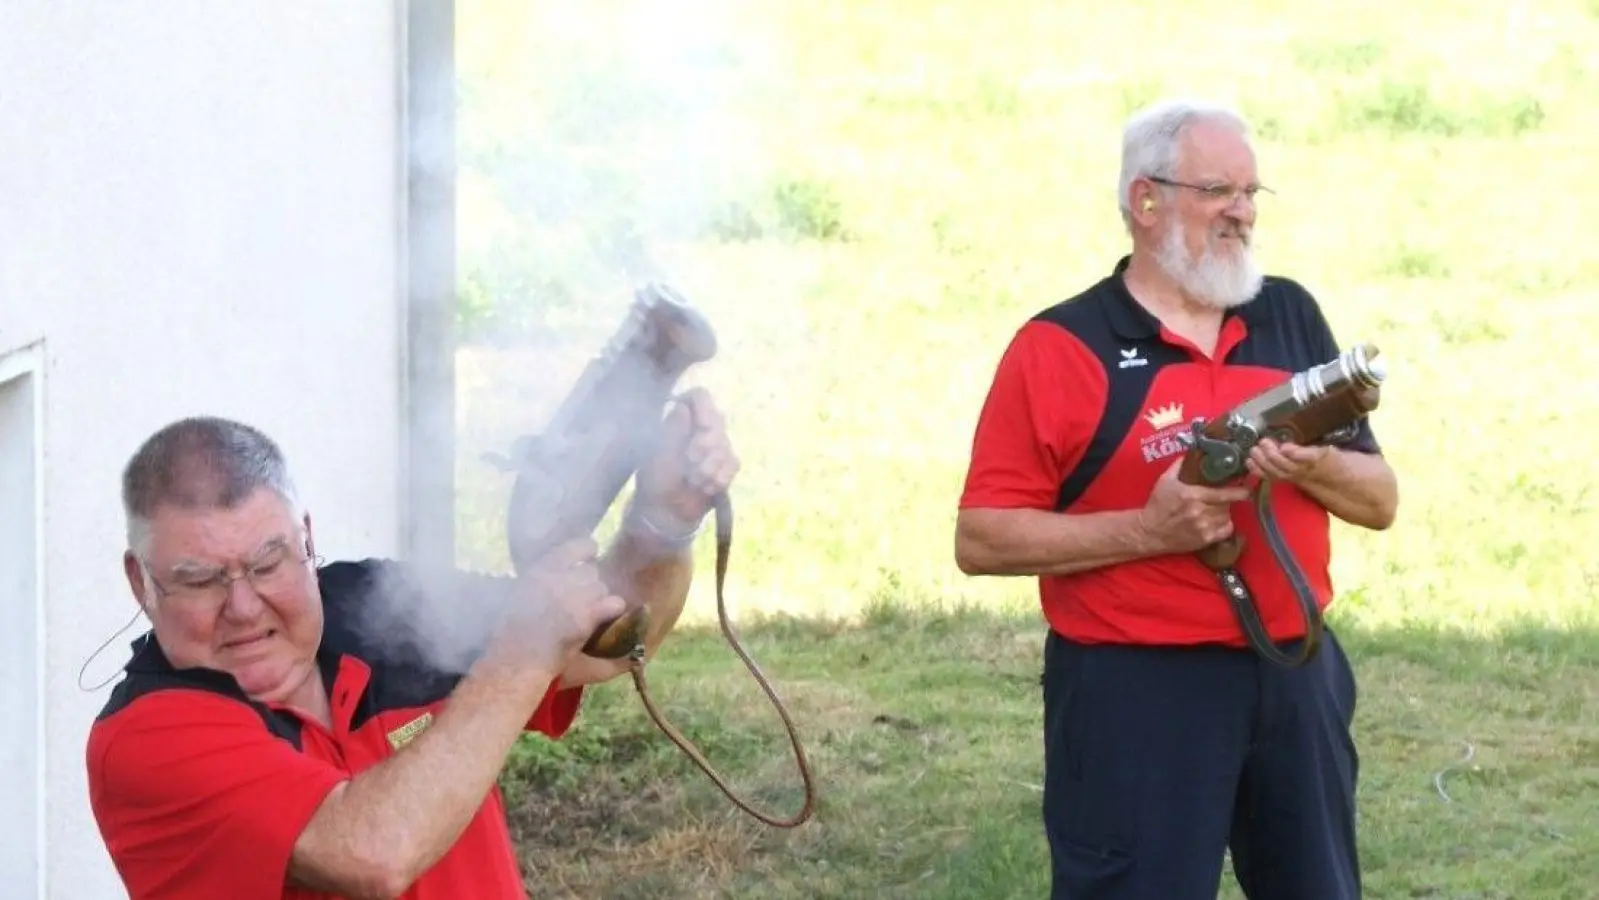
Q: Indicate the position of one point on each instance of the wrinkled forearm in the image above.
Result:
(1359, 488)
(1039, 542)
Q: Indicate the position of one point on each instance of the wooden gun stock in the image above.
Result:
(1327, 419)
(1321, 405)
(1225, 552)
(1321, 421)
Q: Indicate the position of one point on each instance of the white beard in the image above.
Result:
(1220, 281)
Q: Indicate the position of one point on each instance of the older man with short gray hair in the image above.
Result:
(1166, 741)
(264, 745)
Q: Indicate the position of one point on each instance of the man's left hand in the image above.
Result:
(693, 463)
(1285, 462)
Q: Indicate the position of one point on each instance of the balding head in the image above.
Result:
(198, 463)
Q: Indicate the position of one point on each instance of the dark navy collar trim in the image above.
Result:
(150, 659)
(1129, 319)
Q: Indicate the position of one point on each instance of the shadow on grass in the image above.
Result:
(922, 728)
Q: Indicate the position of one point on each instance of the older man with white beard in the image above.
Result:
(1166, 739)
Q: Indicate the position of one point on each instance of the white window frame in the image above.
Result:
(29, 362)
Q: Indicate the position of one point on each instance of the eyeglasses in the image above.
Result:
(276, 571)
(1223, 192)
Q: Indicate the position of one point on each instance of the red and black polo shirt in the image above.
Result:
(200, 792)
(1084, 415)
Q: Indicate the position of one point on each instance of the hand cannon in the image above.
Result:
(569, 475)
(1320, 405)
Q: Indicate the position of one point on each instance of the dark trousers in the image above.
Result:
(1157, 760)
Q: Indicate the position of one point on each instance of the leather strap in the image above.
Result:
(724, 541)
(1243, 602)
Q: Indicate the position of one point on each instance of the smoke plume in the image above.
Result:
(590, 140)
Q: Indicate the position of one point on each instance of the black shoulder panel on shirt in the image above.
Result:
(1290, 332)
(1286, 330)
(418, 634)
(1131, 355)
(149, 672)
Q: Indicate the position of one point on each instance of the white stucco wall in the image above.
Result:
(200, 211)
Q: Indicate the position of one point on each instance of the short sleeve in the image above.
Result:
(1036, 421)
(1327, 349)
(557, 711)
(194, 797)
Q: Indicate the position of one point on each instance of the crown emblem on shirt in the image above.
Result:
(1164, 416)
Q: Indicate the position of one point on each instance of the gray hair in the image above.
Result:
(1152, 136)
(203, 462)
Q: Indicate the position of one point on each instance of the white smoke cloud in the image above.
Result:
(590, 138)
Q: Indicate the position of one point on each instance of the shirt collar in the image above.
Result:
(150, 659)
(1129, 318)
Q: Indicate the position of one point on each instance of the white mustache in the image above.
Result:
(1242, 233)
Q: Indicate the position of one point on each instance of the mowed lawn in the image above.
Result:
(867, 200)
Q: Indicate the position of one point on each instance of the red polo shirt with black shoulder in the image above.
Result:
(1084, 415)
(200, 793)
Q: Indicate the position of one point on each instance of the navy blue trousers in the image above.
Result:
(1159, 759)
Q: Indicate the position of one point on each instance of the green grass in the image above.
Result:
(867, 200)
(922, 731)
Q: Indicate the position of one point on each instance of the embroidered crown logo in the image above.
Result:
(1164, 416)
